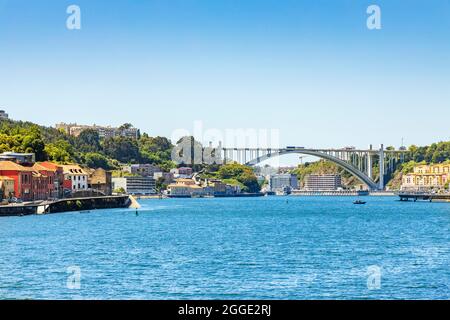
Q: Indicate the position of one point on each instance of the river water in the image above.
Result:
(232, 248)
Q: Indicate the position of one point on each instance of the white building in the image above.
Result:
(3, 115)
(76, 175)
(323, 182)
(75, 130)
(144, 170)
(278, 182)
(135, 185)
(182, 173)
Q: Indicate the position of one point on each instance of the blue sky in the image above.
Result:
(311, 69)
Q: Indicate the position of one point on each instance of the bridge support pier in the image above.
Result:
(381, 165)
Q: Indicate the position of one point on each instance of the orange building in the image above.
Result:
(23, 176)
(55, 177)
(58, 179)
(6, 187)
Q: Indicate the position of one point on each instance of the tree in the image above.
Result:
(241, 174)
(96, 160)
(121, 148)
(88, 141)
(435, 153)
(119, 190)
(160, 184)
(61, 151)
(126, 126)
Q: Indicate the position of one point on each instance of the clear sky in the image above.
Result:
(310, 69)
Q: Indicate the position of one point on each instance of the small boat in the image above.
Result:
(359, 202)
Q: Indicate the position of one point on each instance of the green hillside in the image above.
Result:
(87, 149)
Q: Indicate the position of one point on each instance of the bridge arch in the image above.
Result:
(348, 167)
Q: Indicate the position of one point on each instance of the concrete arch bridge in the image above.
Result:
(359, 162)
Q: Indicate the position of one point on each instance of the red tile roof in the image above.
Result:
(41, 167)
(12, 166)
(50, 165)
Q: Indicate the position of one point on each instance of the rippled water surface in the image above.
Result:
(235, 248)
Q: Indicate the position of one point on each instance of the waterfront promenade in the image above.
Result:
(68, 204)
(424, 196)
(330, 193)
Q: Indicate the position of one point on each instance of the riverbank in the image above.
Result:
(237, 195)
(330, 193)
(67, 205)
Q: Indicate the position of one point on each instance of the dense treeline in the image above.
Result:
(233, 174)
(435, 153)
(88, 148)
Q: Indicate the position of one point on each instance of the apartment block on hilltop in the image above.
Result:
(3, 115)
(74, 129)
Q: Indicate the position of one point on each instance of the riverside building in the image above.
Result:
(278, 182)
(75, 178)
(323, 182)
(435, 176)
(135, 185)
(144, 170)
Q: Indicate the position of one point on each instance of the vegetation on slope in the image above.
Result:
(233, 174)
(87, 149)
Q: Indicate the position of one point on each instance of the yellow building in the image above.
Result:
(215, 187)
(424, 176)
(6, 187)
(185, 188)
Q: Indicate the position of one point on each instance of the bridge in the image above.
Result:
(359, 162)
